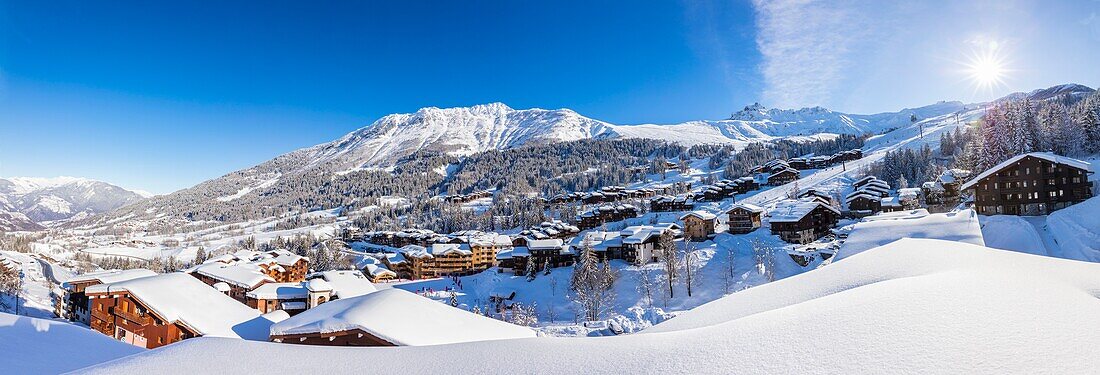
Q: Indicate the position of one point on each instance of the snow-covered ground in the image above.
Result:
(925, 306)
(40, 346)
(878, 230)
(1071, 233)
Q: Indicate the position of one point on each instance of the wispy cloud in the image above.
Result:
(807, 47)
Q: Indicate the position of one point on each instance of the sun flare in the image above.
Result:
(986, 68)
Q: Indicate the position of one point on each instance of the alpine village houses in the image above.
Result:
(803, 221)
(1037, 183)
(744, 218)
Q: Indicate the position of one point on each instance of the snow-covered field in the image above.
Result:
(40, 346)
(919, 306)
(1071, 233)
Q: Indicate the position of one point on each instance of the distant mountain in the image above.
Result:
(1072, 92)
(26, 203)
(289, 180)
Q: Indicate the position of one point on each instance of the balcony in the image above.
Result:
(133, 317)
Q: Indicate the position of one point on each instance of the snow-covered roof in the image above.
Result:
(890, 202)
(443, 249)
(279, 291)
(860, 193)
(1053, 158)
(318, 285)
(702, 215)
(790, 211)
(401, 318)
(748, 207)
(179, 297)
(545, 243)
(111, 276)
(377, 270)
(244, 275)
(346, 284)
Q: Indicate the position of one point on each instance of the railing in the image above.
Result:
(133, 317)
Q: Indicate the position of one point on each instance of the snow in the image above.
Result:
(795, 210)
(881, 229)
(279, 291)
(248, 189)
(178, 297)
(1072, 232)
(242, 274)
(346, 284)
(1053, 158)
(40, 346)
(401, 318)
(925, 306)
(112, 276)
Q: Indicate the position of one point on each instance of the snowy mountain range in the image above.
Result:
(29, 203)
(464, 131)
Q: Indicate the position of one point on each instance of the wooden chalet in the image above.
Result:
(154, 311)
(391, 317)
(597, 216)
(667, 203)
(699, 225)
(1031, 184)
(803, 221)
(744, 218)
(863, 202)
(74, 304)
(783, 176)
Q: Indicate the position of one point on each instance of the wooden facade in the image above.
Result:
(126, 318)
(1030, 185)
(698, 227)
(743, 220)
(813, 225)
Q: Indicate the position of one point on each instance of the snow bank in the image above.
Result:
(1014, 233)
(401, 318)
(925, 306)
(882, 229)
(1077, 230)
(39, 346)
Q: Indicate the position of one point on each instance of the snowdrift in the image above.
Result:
(881, 229)
(915, 305)
(40, 346)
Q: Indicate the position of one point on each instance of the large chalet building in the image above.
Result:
(1037, 183)
(154, 311)
(699, 225)
(73, 305)
(803, 221)
(243, 271)
(744, 218)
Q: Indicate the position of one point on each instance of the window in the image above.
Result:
(1027, 171)
(1025, 183)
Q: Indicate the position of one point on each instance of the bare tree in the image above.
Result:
(669, 256)
(764, 256)
(691, 267)
(645, 285)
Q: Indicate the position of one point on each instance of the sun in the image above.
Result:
(987, 68)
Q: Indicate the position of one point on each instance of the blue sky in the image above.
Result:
(160, 96)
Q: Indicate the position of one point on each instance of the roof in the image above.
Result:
(279, 291)
(702, 215)
(794, 210)
(346, 284)
(181, 298)
(545, 244)
(401, 318)
(749, 207)
(450, 248)
(860, 193)
(111, 276)
(244, 275)
(1053, 158)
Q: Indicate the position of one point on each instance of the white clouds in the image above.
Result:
(807, 46)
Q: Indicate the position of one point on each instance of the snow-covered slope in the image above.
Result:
(925, 306)
(40, 346)
(43, 200)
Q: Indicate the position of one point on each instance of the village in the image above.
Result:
(271, 294)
